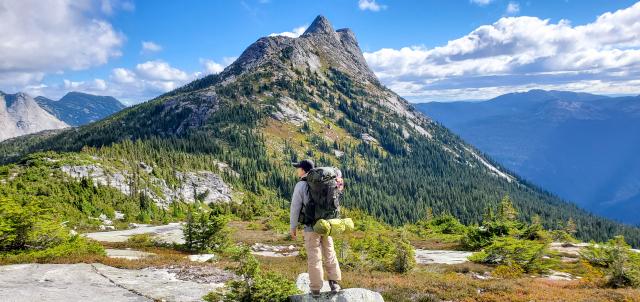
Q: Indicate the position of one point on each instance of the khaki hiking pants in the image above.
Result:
(320, 251)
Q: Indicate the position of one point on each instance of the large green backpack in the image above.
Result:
(324, 196)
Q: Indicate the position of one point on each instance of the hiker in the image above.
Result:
(319, 248)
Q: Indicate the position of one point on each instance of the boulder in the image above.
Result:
(345, 295)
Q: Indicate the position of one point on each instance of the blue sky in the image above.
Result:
(425, 50)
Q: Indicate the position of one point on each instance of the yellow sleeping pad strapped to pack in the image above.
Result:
(333, 227)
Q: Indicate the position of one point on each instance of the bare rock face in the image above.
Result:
(320, 42)
(290, 112)
(98, 283)
(20, 115)
(205, 186)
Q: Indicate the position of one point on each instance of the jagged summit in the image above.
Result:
(319, 46)
(320, 25)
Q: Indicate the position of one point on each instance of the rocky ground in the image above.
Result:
(184, 281)
(98, 282)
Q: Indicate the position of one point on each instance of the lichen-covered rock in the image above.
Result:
(202, 185)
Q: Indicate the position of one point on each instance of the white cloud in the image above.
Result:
(148, 47)
(160, 70)
(513, 8)
(521, 50)
(371, 5)
(481, 2)
(296, 32)
(38, 39)
(211, 66)
(123, 75)
(132, 85)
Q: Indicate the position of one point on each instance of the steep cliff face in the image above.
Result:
(20, 115)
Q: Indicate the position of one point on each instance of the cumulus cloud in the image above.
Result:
(371, 5)
(160, 71)
(528, 50)
(143, 82)
(123, 75)
(149, 47)
(296, 32)
(513, 8)
(38, 39)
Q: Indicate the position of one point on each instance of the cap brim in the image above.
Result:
(296, 165)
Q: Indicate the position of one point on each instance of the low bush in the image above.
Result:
(76, 248)
(142, 240)
(29, 226)
(618, 262)
(508, 271)
(510, 251)
(253, 284)
(206, 232)
(380, 252)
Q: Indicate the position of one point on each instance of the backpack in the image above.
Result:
(324, 196)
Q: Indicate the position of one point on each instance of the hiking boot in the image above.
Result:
(335, 287)
(315, 294)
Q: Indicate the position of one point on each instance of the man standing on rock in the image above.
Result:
(319, 248)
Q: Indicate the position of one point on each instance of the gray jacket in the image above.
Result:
(300, 196)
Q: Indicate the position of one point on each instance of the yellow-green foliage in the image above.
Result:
(508, 271)
(444, 228)
(375, 251)
(76, 247)
(511, 251)
(28, 225)
(617, 260)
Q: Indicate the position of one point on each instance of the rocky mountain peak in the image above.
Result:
(319, 45)
(320, 25)
(20, 114)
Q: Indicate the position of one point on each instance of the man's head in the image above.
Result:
(304, 166)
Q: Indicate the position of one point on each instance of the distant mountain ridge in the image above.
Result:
(77, 108)
(20, 115)
(580, 146)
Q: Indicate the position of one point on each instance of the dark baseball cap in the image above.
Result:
(305, 164)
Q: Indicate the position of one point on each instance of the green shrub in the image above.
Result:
(404, 257)
(447, 224)
(562, 236)
(508, 271)
(511, 251)
(617, 260)
(206, 232)
(380, 252)
(278, 221)
(535, 231)
(29, 226)
(142, 240)
(503, 224)
(76, 248)
(253, 285)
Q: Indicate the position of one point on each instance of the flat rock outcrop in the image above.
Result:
(345, 295)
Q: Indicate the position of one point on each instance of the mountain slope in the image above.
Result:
(314, 96)
(582, 147)
(20, 115)
(77, 108)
